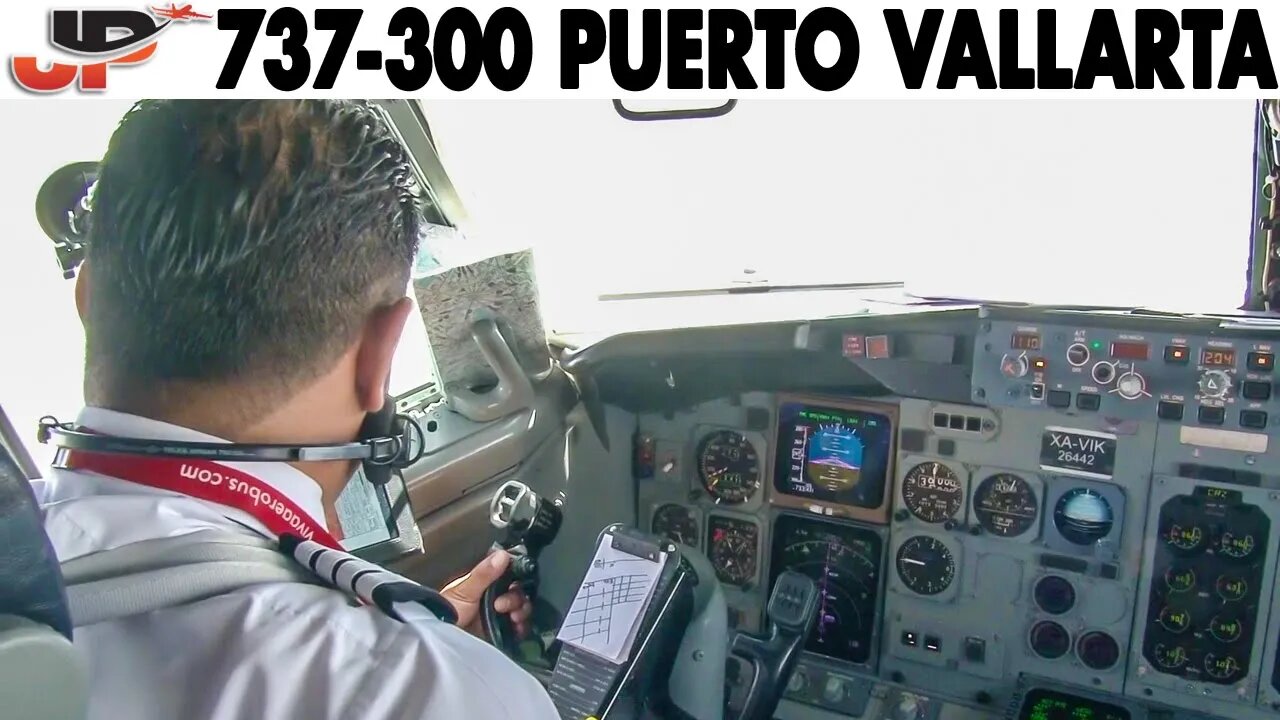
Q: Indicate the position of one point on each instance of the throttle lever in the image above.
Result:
(792, 612)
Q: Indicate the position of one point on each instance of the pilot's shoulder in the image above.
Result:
(399, 669)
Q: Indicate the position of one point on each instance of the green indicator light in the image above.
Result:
(1096, 344)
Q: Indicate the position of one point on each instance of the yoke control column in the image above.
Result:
(792, 612)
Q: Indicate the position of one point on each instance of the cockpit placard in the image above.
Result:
(1085, 453)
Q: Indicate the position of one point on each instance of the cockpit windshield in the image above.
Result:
(1099, 203)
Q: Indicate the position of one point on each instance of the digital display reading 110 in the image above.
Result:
(1025, 341)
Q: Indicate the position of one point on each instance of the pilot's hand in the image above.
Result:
(467, 593)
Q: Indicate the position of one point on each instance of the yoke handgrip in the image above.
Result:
(792, 612)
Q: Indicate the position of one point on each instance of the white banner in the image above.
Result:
(196, 48)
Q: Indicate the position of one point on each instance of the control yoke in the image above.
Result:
(529, 523)
(792, 612)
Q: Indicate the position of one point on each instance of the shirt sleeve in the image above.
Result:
(435, 670)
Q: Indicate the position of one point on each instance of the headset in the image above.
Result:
(388, 443)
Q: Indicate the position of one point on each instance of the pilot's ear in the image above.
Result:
(377, 348)
(82, 291)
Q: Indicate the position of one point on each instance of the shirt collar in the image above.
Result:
(282, 477)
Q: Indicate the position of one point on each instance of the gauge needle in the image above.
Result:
(913, 561)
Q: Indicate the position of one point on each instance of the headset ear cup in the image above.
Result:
(380, 424)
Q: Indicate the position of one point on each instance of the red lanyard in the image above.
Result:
(211, 482)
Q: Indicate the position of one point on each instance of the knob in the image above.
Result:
(1215, 384)
(798, 681)
(1014, 367)
(1104, 372)
(834, 691)
(1131, 385)
(1078, 354)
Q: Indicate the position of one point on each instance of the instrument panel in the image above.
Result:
(1102, 512)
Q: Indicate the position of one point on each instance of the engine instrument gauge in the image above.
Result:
(925, 565)
(1174, 619)
(732, 546)
(676, 523)
(1083, 516)
(1006, 505)
(1187, 538)
(1226, 628)
(1236, 545)
(1170, 657)
(1179, 580)
(728, 466)
(1231, 588)
(844, 560)
(932, 492)
(1222, 667)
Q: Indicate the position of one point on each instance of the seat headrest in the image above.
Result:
(30, 579)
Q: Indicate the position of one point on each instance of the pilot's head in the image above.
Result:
(247, 267)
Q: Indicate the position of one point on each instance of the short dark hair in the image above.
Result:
(243, 240)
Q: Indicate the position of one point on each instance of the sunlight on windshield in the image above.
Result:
(1125, 203)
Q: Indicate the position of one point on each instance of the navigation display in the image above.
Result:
(833, 455)
(844, 560)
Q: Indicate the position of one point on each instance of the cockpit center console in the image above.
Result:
(1091, 533)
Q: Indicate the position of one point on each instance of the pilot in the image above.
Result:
(245, 282)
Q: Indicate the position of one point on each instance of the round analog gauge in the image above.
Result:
(1174, 620)
(1186, 538)
(1170, 657)
(1226, 628)
(1054, 595)
(926, 565)
(732, 548)
(728, 466)
(1098, 650)
(1083, 517)
(1006, 505)
(1050, 640)
(1231, 588)
(1236, 545)
(932, 492)
(1222, 667)
(1179, 580)
(677, 524)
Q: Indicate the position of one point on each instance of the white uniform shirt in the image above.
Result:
(269, 651)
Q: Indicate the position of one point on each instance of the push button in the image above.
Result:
(1176, 354)
(1166, 410)
(975, 650)
(1261, 361)
(1088, 401)
(1255, 390)
(1255, 419)
(1037, 391)
(1059, 398)
(1212, 415)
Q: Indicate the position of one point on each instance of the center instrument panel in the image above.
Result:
(1103, 513)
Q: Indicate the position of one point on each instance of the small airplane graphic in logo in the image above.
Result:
(173, 12)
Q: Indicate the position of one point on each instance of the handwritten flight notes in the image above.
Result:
(604, 618)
